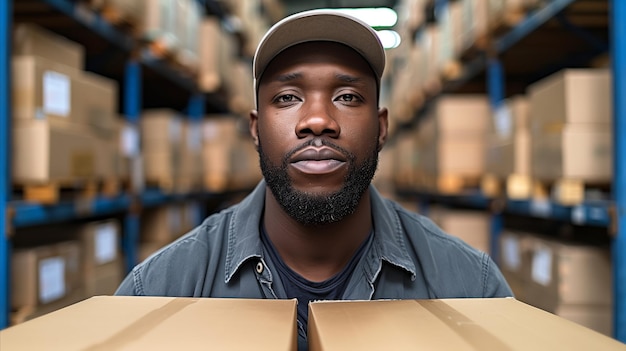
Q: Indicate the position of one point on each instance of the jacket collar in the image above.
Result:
(244, 241)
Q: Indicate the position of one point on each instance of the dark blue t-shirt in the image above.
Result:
(305, 290)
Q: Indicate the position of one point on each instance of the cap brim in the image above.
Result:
(320, 25)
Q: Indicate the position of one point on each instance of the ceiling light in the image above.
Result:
(389, 38)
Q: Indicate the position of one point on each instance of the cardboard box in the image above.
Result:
(462, 115)
(572, 281)
(219, 135)
(448, 324)
(209, 79)
(101, 257)
(32, 40)
(162, 224)
(578, 96)
(473, 227)
(506, 156)
(46, 150)
(514, 261)
(161, 146)
(157, 24)
(576, 152)
(44, 274)
(43, 88)
(160, 323)
(564, 273)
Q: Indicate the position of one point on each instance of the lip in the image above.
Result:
(321, 160)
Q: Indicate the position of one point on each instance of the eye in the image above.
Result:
(286, 98)
(348, 98)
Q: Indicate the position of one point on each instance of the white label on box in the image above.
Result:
(541, 208)
(56, 94)
(542, 266)
(194, 138)
(129, 141)
(511, 253)
(578, 215)
(105, 243)
(51, 279)
(503, 121)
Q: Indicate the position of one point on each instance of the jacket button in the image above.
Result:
(259, 267)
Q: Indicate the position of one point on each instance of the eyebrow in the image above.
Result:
(287, 77)
(348, 78)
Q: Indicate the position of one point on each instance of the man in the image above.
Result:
(315, 228)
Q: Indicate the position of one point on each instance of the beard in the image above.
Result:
(315, 209)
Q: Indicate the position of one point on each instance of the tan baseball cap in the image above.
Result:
(319, 25)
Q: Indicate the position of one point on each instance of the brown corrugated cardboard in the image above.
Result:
(162, 224)
(470, 226)
(579, 96)
(208, 47)
(564, 273)
(101, 256)
(506, 156)
(30, 39)
(449, 324)
(47, 150)
(160, 323)
(44, 274)
(43, 88)
(583, 152)
(570, 280)
(462, 114)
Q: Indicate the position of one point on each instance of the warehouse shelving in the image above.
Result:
(137, 63)
(609, 214)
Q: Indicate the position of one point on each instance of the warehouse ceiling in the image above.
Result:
(293, 6)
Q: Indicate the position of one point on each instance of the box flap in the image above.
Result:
(160, 323)
(448, 324)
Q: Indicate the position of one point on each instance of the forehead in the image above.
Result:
(312, 53)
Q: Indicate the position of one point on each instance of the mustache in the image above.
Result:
(317, 142)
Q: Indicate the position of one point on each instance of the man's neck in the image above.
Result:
(317, 252)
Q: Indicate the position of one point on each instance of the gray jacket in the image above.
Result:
(410, 258)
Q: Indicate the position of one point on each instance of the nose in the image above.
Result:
(317, 120)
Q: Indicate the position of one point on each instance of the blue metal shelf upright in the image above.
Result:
(618, 52)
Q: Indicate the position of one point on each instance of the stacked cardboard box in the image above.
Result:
(101, 257)
(570, 280)
(508, 150)
(571, 126)
(230, 159)
(452, 139)
(162, 147)
(64, 117)
(45, 278)
(473, 227)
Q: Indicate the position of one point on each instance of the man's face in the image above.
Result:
(318, 130)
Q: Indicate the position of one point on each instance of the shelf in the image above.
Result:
(30, 214)
(589, 213)
(108, 48)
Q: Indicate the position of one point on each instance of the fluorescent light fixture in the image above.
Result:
(374, 16)
(389, 38)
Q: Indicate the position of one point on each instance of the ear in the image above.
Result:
(254, 127)
(383, 127)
